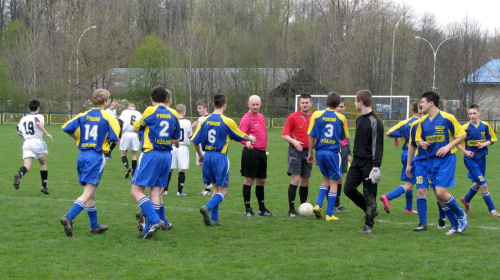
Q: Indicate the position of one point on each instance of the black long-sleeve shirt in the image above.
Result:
(369, 138)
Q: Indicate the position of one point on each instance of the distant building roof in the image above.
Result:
(486, 74)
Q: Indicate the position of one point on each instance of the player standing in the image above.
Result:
(112, 111)
(326, 130)
(160, 125)
(212, 136)
(129, 139)
(202, 109)
(93, 131)
(295, 133)
(180, 156)
(439, 132)
(365, 166)
(31, 129)
(345, 155)
(475, 148)
(254, 158)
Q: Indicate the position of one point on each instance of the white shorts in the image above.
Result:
(129, 141)
(198, 158)
(180, 157)
(34, 148)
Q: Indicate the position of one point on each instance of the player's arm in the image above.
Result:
(19, 132)
(377, 143)
(310, 156)
(297, 144)
(120, 122)
(466, 153)
(42, 129)
(197, 148)
(411, 154)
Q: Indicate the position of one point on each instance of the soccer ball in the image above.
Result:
(306, 209)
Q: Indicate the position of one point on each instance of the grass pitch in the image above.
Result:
(33, 244)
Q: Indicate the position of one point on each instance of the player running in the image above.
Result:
(129, 140)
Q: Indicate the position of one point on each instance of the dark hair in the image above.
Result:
(203, 103)
(364, 96)
(34, 104)
(431, 96)
(219, 100)
(415, 107)
(333, 99)
(305, 96)
(474, 106)
(160, 94)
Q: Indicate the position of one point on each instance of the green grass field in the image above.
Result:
(33, 244)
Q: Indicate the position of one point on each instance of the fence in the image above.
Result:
(272, 122)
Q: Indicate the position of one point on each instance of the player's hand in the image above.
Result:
(249, 145)
(443, 151)
(195, 124)
(481, 145)
(375, 175)
(310, 157)
(50, 136)
(423, 144)
(408, 171)
(349, 158)
(469, 154)
(396, 142)
(252, 139)
(200, 158)
(298, 145)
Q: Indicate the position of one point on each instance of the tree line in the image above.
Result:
(346, 45)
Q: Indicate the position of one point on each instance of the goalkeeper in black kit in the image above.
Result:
(367, 158)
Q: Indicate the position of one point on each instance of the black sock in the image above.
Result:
(207, 186)
(44, 174)
(125, 161)
(134, 165)
(339, 191)
(181, 178)
(259, 193)
(303, 192)
(247, 190)
(292, 193)
(23, 170)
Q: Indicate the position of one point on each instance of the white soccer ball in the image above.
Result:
(306, 209)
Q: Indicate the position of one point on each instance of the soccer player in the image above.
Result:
(31, 129)
(402, 130)
(326, 130)
(180, 156)
(160, 125)
(475, 148)
(93, 131)
(202, 109)
(367, 158)
(295, 133)
(254, 158)
(129, 140)
(112, 111)
(212, 136)
(345, 155)
(439, 132)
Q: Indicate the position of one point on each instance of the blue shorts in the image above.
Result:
(477, 170)
(404, 178)
(421, 174)
(329, 163)
(90, 166)
(153, 169)
(216, 168)
(442, 170)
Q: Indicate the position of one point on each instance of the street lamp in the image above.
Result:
(393, 41)
(435, 56)
(77, 47)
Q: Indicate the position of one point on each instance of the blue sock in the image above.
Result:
(488, 201)
(451, 216)
(422, 209)
(332, 196)
(452, 203)
(215, 213)
(409, 200)
(148, 211)
(215, 200)
(397, 192)
(442, 215)
(323, 190)
(78, 206)
(472, 192)
(160, 211)
(92, 212)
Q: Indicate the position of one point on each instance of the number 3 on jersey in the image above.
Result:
(329, 132)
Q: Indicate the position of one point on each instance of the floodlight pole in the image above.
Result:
(77, 60)
(392, 64)
(435, 57)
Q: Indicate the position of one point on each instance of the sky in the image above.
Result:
(486, 12)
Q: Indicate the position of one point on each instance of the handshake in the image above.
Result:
(375, 175)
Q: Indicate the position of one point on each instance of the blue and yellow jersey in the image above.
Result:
(438, 131)
(214, 133)
(94, 130)
(159, 125)
(419, 152)
(328, 127)
(475, 134)
(402, 130)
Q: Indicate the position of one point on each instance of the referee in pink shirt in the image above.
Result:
(254, 158)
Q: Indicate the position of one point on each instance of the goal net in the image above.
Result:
(390, 108)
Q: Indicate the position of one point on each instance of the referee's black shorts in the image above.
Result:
(253, 163)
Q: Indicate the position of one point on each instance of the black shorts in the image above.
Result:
(253, 163)
(297, 162)
(344, 154)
